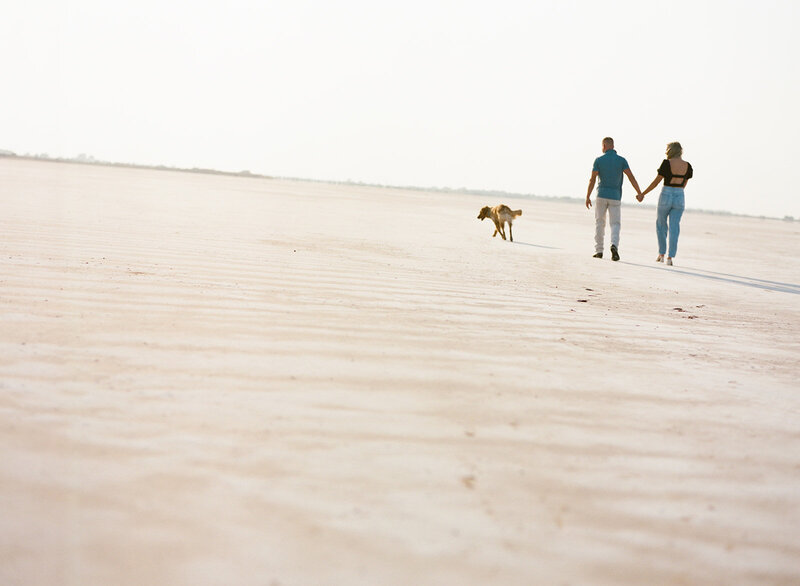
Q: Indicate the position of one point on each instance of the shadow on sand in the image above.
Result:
(727, 278)
(535, 245)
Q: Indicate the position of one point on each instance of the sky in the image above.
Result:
(502, 95)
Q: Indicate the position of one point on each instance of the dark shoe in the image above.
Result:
(614, 253)
(598, 255)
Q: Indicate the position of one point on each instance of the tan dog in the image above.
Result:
(500, 215)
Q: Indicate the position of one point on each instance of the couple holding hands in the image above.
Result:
(610, 167)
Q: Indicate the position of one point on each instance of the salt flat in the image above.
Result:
(229, 380)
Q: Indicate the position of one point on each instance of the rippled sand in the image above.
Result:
(228, 380)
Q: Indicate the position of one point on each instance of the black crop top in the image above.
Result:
(666, 172)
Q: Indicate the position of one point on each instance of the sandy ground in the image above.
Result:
(222, 380)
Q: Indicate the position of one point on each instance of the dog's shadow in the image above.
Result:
(535, 245)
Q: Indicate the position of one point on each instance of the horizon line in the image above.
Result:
(90, 160)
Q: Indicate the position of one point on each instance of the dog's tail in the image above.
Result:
(516, 213)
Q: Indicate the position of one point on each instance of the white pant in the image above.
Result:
(614, 207)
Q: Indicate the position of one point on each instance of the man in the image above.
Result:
(609, 168)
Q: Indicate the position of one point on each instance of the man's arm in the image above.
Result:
(633, 181)
(591, 188)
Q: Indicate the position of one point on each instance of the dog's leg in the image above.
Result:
(499, 226)
(510, 235)
(498, 229)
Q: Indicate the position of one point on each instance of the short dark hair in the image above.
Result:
(609, 141)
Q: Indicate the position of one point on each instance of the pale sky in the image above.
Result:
(506, 95)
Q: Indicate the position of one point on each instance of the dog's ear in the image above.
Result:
(484, 213)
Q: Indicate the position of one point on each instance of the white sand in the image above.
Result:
(222, 380)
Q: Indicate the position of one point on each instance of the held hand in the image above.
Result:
(588, 202)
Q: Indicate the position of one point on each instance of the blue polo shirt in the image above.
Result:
(610, 167)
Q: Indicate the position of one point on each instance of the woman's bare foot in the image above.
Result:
(660, 258)
(669, 260)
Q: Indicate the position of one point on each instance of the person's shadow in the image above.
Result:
(728, 278)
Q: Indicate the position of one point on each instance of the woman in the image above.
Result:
(676, 173)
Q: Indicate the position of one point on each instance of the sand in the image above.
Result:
(228, 380)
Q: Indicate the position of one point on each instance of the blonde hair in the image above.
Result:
(674, 149)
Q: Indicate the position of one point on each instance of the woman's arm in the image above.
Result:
(652, 186)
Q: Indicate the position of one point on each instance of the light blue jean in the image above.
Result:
(668, 219)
